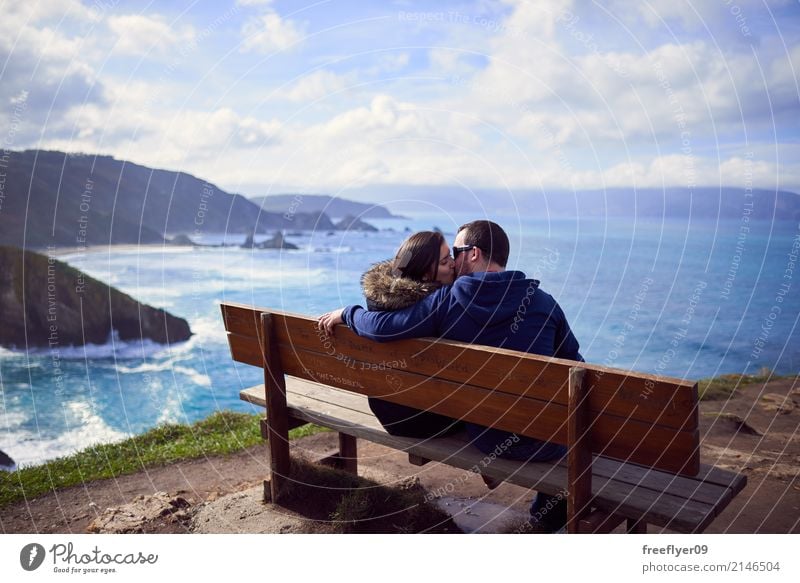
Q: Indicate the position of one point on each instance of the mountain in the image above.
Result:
(53, 198)
(334, 207)
(652, 203)
(47, 303)
(351, 223)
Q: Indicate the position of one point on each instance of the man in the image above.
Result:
(485, 305)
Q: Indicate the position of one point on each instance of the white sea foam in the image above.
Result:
(171, 410)
(86, 428)
(113, 348)
(271, 275)
(11, 420)
(6, 352)
(335, 250)
(197, 377)
(144, 367)
(208, 329)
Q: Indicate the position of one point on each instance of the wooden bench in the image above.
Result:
(634, 453)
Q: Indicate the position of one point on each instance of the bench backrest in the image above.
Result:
(641, 418)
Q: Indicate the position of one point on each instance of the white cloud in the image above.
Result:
(694, 14)
(30, 13)
(449, 62)
(390, 63)
(676, 170)
(315, 86)
(269, 32)
(550, 105)
(43, 60)
(143, 35)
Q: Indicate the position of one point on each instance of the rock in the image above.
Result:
(55, 305)
(182, 240)
(131, 518)
(735, 423)
(277, 242)
(248, 242)
(351, 223)
(6, 463)
(244, 512)
(775, 403)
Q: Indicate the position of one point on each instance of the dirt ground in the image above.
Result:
(755, 433)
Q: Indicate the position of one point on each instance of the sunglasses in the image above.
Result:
(457, 250)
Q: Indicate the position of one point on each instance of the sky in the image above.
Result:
(262, 97)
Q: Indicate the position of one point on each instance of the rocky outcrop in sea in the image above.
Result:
(46, 303)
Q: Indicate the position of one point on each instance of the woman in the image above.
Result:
(421, 266)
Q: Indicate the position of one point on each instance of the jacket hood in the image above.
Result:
(385, 291)
(494, 297)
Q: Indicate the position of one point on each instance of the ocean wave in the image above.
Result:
(12, 420)
(334, 250)
(113, 348)
(256, 275)
(171, 411)
(197, 377)
(87, 428)
(209, 329)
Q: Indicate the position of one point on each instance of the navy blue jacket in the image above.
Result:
(502, 309)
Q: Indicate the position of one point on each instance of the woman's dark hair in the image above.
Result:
(417, 255)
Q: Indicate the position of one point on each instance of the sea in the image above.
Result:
(688, 299)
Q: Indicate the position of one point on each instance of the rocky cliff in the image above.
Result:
(44, 302)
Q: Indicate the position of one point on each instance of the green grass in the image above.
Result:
(724, 386)
(221, 433)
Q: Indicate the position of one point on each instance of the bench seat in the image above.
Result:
(623, 489)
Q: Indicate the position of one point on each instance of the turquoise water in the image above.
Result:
(669, 298)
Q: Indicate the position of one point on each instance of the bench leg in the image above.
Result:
(579, 458)
(417, 460)
(348, 453)
(346, 458)
(599, 522)
(637, 526)
(277, 426)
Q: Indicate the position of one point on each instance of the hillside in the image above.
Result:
(333, 207)
(53, 198)
(641, 203)
(47, 303)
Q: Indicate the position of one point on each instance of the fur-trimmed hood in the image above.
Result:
(385, 291)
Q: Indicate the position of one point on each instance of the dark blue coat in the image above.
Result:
(502, 309)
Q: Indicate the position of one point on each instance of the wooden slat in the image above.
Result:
(673, 512)
(714, 475)
(336, 401)
(651, 398)
(613, 436)
(623, 498)
(692, 488)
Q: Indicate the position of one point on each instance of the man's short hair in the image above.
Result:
(490, 238)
